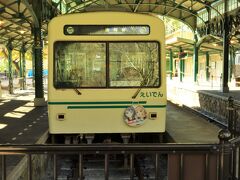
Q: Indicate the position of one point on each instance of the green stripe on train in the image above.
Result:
(112, 107)
(106, 102)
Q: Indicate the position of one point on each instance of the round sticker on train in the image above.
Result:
(135, 115)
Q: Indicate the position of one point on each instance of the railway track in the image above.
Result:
(94, 167)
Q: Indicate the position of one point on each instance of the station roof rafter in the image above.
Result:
(183, 10)
(16, 22)
(17, 17)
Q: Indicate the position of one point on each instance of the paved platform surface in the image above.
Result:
(20, 121)
(184, 126)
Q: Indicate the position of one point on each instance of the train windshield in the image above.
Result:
(106, 64)
(134, 64)
(80, 64)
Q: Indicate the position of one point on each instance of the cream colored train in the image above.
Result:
(106, 74)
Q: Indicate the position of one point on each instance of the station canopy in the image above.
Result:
(18, 18)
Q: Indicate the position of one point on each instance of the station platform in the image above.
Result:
(209, 100)
(178, 91)
(184, 126)
(20, 121)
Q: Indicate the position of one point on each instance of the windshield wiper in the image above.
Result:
(136, 93)
(78, 92)
(138, 90)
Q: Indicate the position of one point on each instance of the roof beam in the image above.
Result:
(10, 30)
(180, 8)
(192, 4)
(130, 6)
(17, 14)
(176, 6)
(82, 5)
(30, 9)
(13, 22)
(208, 4)
(136, 8)
(10, 4)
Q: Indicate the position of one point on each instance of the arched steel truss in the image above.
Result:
(19, 18)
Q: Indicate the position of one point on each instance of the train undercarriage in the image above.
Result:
(107, 138)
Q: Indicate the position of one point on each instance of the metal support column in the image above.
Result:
(225, 155)
(171, 63)
(231, 64)
(33, 67)
(181, 69)
(20, 69)
(181, 64)
(20, 63)
(207, 66)
(38, 45)
(9, 47)
(226, 41)
(23, 75)
(195, 59)
(209, 20)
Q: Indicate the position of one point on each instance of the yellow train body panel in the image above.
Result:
(101, 120)
(87, 109)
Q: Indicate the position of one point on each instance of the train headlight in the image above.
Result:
(70, 30)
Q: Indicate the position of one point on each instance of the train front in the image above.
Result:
(106, 74)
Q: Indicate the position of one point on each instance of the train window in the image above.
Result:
(79, 64)
(92, 64)
(134, 64)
